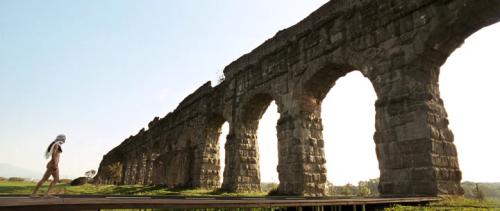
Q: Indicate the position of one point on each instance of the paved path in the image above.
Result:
(95, 202)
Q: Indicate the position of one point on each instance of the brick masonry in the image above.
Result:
(398, 45)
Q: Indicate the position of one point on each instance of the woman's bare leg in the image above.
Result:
(55, 176)
(40, 183)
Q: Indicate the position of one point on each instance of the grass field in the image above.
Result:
(65, 188)
(456, 203)
(451, 204)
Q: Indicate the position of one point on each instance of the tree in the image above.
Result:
(347, 190)
(372, 184)
(364, 191)
(480, 195)
(90, 173)
(330, 188)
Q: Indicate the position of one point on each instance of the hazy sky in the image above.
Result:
(99, 71)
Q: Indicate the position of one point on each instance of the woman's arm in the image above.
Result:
(55, 157)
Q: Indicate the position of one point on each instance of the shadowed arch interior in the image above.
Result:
(243, 136)
(445, 38)
(155, 152)
(134, 169)
(141, 166)
(317, 86)
(212, 163)
(254, 109)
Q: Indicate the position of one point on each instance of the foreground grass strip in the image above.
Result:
(7, 187)
(452, 203)
(65, 188)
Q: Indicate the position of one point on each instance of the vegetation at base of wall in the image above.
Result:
(364, 188)
(111, 173)
(16, 179)
(6, 187)
(268, 186)
(79, 181)
(65, 181)
(489, 189)
(451, 203)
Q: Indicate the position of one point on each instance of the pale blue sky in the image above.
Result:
(99, 71)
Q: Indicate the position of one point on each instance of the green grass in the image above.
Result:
(150, 190)
(452, 203)
(27, 187)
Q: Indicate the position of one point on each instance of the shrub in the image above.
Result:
(347, 190)
(16, 179)
(2, 179)
(364, 191)
(79, 181)
(274, 192)
(65, 181)
(480, 195)
(112, 173)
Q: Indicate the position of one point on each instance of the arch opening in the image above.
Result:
(141, 167)
(468, 86)
(217, 131)
(268, 148)
(135, 168)
(348, 115)
(256, 125)
(222, 150)
(155, 152)
(254, 109)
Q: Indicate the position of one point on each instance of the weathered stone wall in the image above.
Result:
(174, 168)
(112, 157)
(398, 45)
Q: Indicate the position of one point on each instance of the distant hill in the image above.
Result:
(7, 171)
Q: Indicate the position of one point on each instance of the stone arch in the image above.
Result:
(242, 169)
(127, 169)
(152, 154)
(253, 110)
(302, 161)
(167, 147)
(255, 104)
(211, 171)
(135, 167)
(175, 165)
(141, 166)
(479, 65)
(317, 86)
(440, 38)
(186, 137)
(155, 150)
(398, 46)
(414, 144)
(348, 120)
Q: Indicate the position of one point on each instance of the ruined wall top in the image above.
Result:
(325, 12)
(193, 97)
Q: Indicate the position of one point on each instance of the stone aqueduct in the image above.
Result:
(399, 45)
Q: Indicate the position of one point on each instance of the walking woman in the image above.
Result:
(55, 151)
